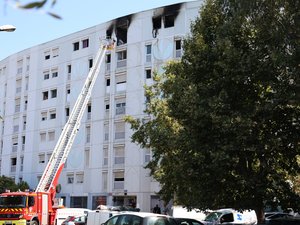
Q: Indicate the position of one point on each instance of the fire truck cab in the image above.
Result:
(25, 208)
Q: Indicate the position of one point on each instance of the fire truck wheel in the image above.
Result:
(34, 222)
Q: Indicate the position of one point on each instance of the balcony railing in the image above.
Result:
(14, 148)
(120, 110)
(119, 185)
(121, 63)
(119, 135)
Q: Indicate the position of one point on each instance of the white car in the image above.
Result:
(140, 218)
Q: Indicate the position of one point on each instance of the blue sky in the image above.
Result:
(35, 27)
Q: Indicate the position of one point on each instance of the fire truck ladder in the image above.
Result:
(63, 146)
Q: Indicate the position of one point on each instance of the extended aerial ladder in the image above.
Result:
(49, 179)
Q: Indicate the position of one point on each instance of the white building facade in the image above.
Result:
(39, 86)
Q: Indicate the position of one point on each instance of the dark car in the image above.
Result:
(140, 218)
(187, 221)
(75, 220)
(282, 219)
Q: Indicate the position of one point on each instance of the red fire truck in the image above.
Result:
(39, 207)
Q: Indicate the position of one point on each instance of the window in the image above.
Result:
(13, 163)
(156, 21)
(67, 112)
(16, 125)
(70, 178)
(107, 106)
(88, 134)
(85, 43)
(147, 155)
(169, 20)
(43, 136)
(148, 52)
(105, 156)
(121, 58)
(54, 74)
(46, 75)
(75, 46)
(42, 158)
(69, 68)
(18, 86)
(120, 108)
(45, 95)
(104, 180)
(89, 112)
(119, 130)
(90, 63)
(51, 135)
(107, 82)
(43, 116)
(107, 61)
(87, 157)
(121, 83)
(52, 114)
(108, 58)
(119, 155)
(54, 93)
(148, 73)
(119, 180)
(47, 55)
(17, 105)
(21, 163)
(15, 144)
(19, 66)
(79, 177)
(106, 132)
(55, 52)
(178, 48)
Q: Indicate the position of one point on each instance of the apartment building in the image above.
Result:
(39, 87)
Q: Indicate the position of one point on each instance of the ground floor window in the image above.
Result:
(98, 200)
(78, 202)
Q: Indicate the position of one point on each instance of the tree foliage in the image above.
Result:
(8, 183)
(38, 5)
(224, 124)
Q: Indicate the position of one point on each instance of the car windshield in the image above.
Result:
(160, 221)
(12, 201)
(212, 216)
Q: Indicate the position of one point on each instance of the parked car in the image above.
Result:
(75, 220)
(187, 221)
(280, 218)
(230, 216)
(140, 218)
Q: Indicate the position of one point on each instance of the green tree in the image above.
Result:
(37, 5)
(224, 124)
(8, 183)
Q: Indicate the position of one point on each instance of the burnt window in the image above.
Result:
(169, 21)
(109, 33)
(156, 22)
(121, 30)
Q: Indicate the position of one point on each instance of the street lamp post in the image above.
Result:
(7, 28)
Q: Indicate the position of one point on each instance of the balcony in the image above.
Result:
(118, 185)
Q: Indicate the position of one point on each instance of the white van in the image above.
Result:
(98, 217)
(182, 212)
(63, 213)
(230, 216)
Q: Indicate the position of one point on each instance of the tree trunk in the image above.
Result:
(260, 214)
